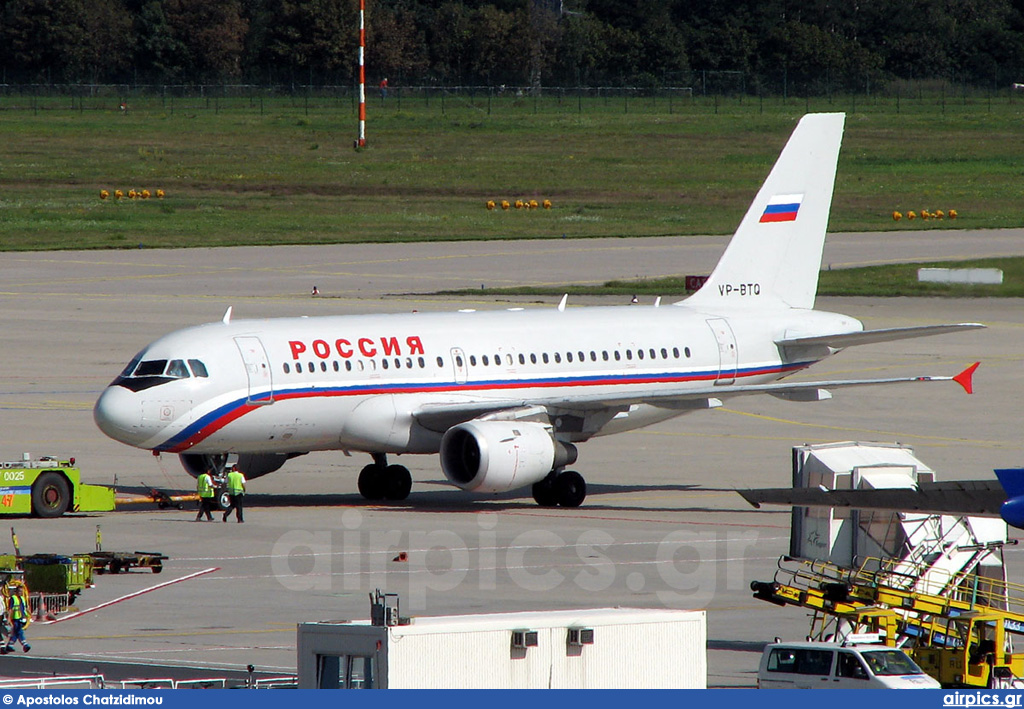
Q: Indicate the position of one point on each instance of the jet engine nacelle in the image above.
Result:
(253, 465)
(498, 456)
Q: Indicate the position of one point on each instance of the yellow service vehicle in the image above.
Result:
(47, 487)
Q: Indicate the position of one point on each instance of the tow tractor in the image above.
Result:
(48, 487)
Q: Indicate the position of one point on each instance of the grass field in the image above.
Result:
(279, 171)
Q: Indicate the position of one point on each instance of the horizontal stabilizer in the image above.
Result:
(867, 337)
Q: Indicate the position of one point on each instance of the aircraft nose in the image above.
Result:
(118, 415)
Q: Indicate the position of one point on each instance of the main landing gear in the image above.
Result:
(380, 481)
(567, 488)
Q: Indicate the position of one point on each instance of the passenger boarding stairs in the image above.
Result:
(942, 551)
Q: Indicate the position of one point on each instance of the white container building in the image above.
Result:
(602, 648)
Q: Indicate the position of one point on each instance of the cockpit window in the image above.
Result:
(176, 369)
(150, 368)
(143, 374)
(127, 371)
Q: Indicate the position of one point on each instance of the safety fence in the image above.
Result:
(97, 681)
(485, 100)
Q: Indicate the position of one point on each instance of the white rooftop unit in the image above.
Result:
(599, 648)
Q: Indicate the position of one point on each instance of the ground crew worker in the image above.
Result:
(236, 493)
(17, 611)
(207, 496)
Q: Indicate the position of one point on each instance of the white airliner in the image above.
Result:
(506, 396)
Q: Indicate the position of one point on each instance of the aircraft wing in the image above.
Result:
(972, 497)
(440, 416)
(867, 337)
(797, 391)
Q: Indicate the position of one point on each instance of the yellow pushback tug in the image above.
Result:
(48, 487)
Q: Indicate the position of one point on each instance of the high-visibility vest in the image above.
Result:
(18, 610)
(236, 483)
(204, 485)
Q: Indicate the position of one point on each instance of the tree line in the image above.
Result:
(754, 46)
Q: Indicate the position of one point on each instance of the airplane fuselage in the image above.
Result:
(353, 382)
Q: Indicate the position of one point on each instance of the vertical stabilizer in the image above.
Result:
(774, 257)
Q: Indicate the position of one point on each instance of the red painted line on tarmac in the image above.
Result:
(130, 595)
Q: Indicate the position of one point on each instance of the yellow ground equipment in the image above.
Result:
(47, 487)
(958, 631)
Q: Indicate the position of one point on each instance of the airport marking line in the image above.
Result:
(130, 595)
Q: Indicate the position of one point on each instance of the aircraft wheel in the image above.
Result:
(397, 482)
(571, 489)
(371, 482)
(50, 495)
(544, 493)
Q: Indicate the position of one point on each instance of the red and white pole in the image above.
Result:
(362, 76)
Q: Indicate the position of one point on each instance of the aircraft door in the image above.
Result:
(257, 369)
(460, 365)
(728, 352)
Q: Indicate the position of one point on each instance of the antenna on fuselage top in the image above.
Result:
(227, 315)
(657, 302)
(561, 305)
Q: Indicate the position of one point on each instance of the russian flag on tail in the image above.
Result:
(782, 208)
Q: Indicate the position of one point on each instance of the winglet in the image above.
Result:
(964, 378)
